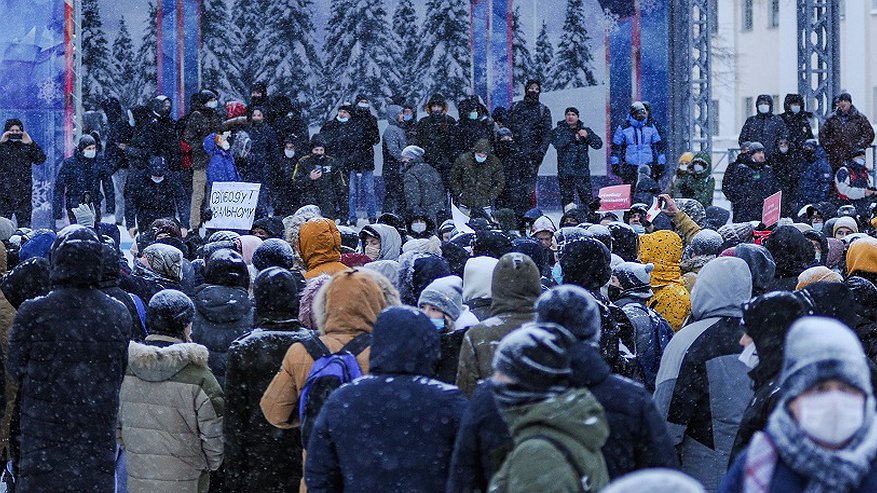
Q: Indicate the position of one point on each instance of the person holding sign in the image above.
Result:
(155, 195)
(320, 180)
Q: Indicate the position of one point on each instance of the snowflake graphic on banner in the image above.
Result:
(648, 6)
(49, 91)
(42, 193)
(610, 21)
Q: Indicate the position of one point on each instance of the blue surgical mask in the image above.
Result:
(557, 273)
(438, 322)
(473, 115)
(407, 118)
(639, 228)
(480, 159)
(860, 162)
(342, 120)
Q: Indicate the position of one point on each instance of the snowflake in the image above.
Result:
(42, 192)
(49, 91)
(610, 21)
(649, 6)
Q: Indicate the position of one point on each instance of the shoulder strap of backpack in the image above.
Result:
(357, 344)
(570, 458)
(315, 347)
(141, 312)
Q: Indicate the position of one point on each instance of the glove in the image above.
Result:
(207, 215)
(84, 215)
(616, 170)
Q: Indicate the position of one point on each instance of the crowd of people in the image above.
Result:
(683, 350)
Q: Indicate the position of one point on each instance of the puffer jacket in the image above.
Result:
(816, 179)
(221, 166)
(222, 314)
(637, 143)
(435, 134)
(842, 133)
(475, 184)
(170, 417)
(671, 300)
(424, 190)
(320, 247)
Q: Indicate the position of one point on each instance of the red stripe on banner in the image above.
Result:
(159, 52)
(180, 104)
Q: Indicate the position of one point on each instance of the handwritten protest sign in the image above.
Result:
(614, 198)
(233, 205)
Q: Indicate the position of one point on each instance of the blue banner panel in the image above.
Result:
(479, 46)
(654, 88)
(500, 68)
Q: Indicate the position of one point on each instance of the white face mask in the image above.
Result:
(130, 118)
(418, 227)
(832, 417)
(763, 108)
(289, 153)
(795, 108)
(89, 154)
(212, 104)
(749, 357)
(157, 179)
(225, 145)
(372, 252)
(480, 158)
(362, 105)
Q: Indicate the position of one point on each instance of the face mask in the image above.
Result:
(832, 417)
(639, 229)
(418, 227)
(257, 122)
(860, 162)
(156, 179)
(372, 252)
(407, 118)
(89, 154)
(212, 104)
(818, 257)
(473, 115)
(784, 149)
(480, 158)
(749, 357)
(362, 105)
(795, 108)
(533, 94)
(436, 112)
(439, 323)
(225, 145)
(289, 153)
(130, 118)
(614, 293)
(698, 168)
(816, 226)
(342, 120)
(763, 108)
(557, 273)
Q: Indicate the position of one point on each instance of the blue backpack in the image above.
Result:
(329, 372)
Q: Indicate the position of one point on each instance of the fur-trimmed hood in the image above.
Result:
(293, 224)
(320, 314)
(157, 364)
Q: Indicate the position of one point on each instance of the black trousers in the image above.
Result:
(572, 185)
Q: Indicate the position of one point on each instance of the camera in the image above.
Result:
(15, 137)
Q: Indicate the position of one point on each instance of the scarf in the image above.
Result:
(509, 395)
(828, 471)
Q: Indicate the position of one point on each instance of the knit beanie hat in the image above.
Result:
(655, 481)
(736, 233)
(535, 356)
(446, 294)
(635, 278)
(585, 263)
(706, 242)
(274, 252)
(574, 309)
(169, 312)
(845, 222)
(413, 153)
(816, 274)
(693, 209)
(572, 109)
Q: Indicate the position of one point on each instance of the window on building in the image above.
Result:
(714, 15)
(773, 14)
(874, 5)
(714, 117)
(747, 15)
(748, 106)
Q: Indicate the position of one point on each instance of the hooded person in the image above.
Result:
(702, 388)
(821, 436)
(764, 127)
(381, 242)
(251, 443)
(831, 299)
(865, 307)
(435, 135)
(78, 180)
(292, 226)
(557, 431)
(793, 253)
(320, 247)
(515, 286)
(671, 300)
(223, 310)
(18, 153)
(109, 285)
(267, 227)
(393, 141)
(695, 180)
(160, 267)
(154, 194)
(78, 387)
(168, 386)
(862, 259)
(766, 320)
(820, 273)
(274, 252)
(473, 124)
(416, 271)
(704, 246)
(442, 302)
(625, 241)
(38, 246)
(397, 398)
(530, 122)
(477, 178)
(423, 187)
(761, 265)
(491, 244)
(478, 285)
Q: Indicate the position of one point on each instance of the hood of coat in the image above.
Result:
(319, 242)
(483, 146)
(575, 413)
(76, 258)
(516, 284)
(723, 285)
(404, 342)
(764, 98)
(478, 278)
(707, 162)
(862, 256)
(664, 249)
(222, 304)
(791, 250)
(292, 224)
(27, 280)
(391, 113)
(349, 303)
(761, 265)
(391, 241)
(157, 364)
(791, 99)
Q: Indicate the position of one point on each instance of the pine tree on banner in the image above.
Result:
(543, 58)
(96, 79)
(124, 67)
(523, 61)
(254, 53)
(444, 57)
(408, 42)
(359, 57)
(147, 58)
(573, 67)
(215, 50)
(293, 36)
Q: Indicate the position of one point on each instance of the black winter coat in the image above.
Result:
(264, 153)
(159, 136)
(222, 314)
(252, 461)
(16, 160)
(530, 123)
(76, 177)
(638, 437)
(148, 201)
(841, 133)
(326, 192)
(451, 342)
(747, 187)
(468, 132)
(765, 128)
(572, 153)
(436, 135)
(69, 388)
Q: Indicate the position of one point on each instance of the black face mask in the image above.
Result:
(533, 95)
(615, 293)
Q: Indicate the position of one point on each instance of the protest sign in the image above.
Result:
(461, 221)
(771, 210)
(614, 198)
(233, 205)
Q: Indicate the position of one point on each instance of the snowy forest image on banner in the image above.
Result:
(321, 53)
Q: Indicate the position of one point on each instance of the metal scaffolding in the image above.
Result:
(818, 54)
(691, 77)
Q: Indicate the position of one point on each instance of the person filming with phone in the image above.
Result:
(18, 152)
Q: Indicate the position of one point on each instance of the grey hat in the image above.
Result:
(535, 356)
(169, 312)
(446, 294)
(573, 308)
(635, 278)
(413, 153)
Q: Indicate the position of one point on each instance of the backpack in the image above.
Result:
(585, 485)
(660, 335)
(141, 314)
(329, 372)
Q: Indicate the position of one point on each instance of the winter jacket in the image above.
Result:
(475, 184)
(435, 134)
(468, 132)
(636, 143)
(363, 158)
(671, 300)
(69, 378)
(797, 124)
(200, 123)
(815, 180)
(326, 192)
(516, 285)
(170, 417)
(530, 123)
(78, 176)
(572, 152)
(424, 191)
(650, 341)
(391, 242)
(156, 136)
(145, 282)
(287, 195)
(221, 166)
(16, 160)
(702, 388)
(746, 187)
(793, 254)
(698, 186)
(519, 172)
(341, 141)
(766, 128)
(393, 140)
(147, 201)
(251, 443)
(222, 314)
(852, 181)
(397, 401)
(574, 419)
(264, 152)
(320, 247)
(841, 134)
